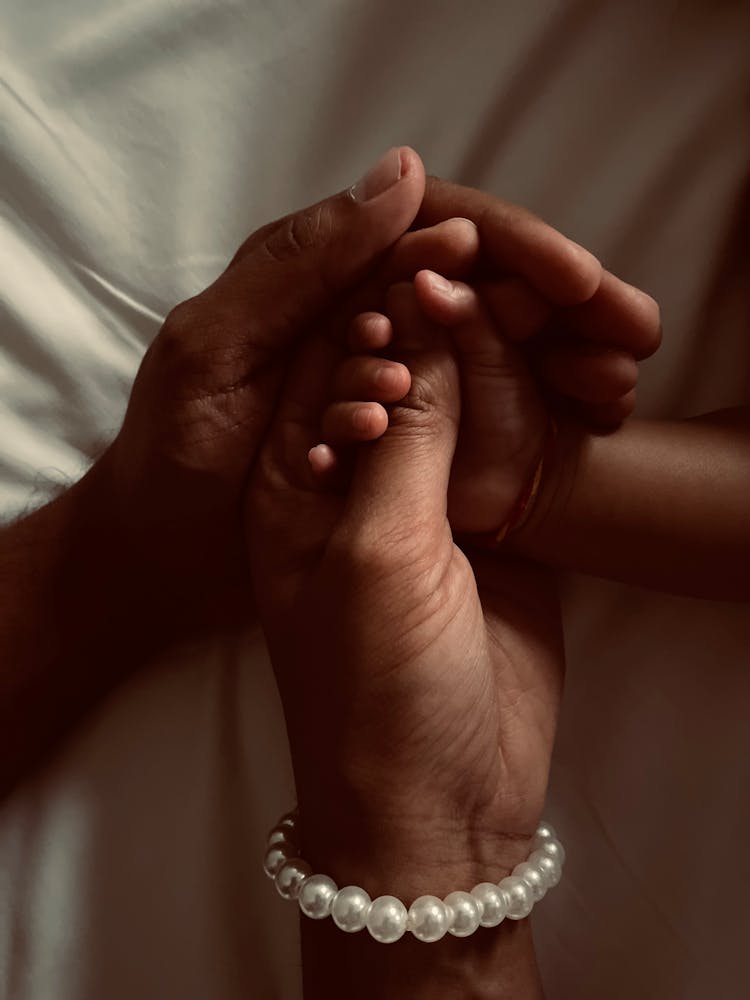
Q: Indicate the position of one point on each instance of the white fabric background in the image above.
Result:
(142, 141)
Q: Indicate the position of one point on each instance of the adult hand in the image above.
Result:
(207, 385)
(385, 657)
(420, 693)
(576, 324)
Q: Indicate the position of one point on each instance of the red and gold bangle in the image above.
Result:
(525, 501)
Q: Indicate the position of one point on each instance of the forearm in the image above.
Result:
(661, 504)
(72, 623)
(415, 859)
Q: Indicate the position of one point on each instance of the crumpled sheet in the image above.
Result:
(142, 141)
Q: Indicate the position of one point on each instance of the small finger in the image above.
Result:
(459, 306)
(375, 379)
(369, 331)
(331, 468)
(444, 301)
(450, 247)
(349, 422)
(413, 331)
(322, 459)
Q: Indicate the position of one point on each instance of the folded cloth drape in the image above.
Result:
(143, 141)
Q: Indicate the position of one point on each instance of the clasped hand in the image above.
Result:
(420, 680)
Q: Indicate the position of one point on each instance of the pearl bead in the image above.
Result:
(533, 878)
(492, 907)
(350, 908)
(276, 856)
(428, 918)
(290, 877)
(386, 920)
(555, 850)
(316, 895)
(549, 867)
(281, 834)
(464, 913)
(290, 818)
(519, 898)
(545, 831)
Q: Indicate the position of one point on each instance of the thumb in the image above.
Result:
(400, 483)
(287, 273)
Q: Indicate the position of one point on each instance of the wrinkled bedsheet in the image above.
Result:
(142, 140)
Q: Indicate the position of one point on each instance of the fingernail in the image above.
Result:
(362, 418)
(382, 176)
(385, 376)
(441, 284)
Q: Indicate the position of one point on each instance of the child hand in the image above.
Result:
(503, 420)
(504, 410)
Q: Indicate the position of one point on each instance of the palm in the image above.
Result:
(431, 668)
(524, 637)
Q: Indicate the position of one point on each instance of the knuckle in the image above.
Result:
(296, 234)
(419, 403)
(180, 320)
(174, 347)
(421, 407)
(177, 333)
(202, 352)
(198, 326)
(426, 413)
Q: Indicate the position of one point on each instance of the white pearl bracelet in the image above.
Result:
(428, 918)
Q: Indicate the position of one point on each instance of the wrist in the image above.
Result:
(535, 536)
(429, 848)
(409, 858)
